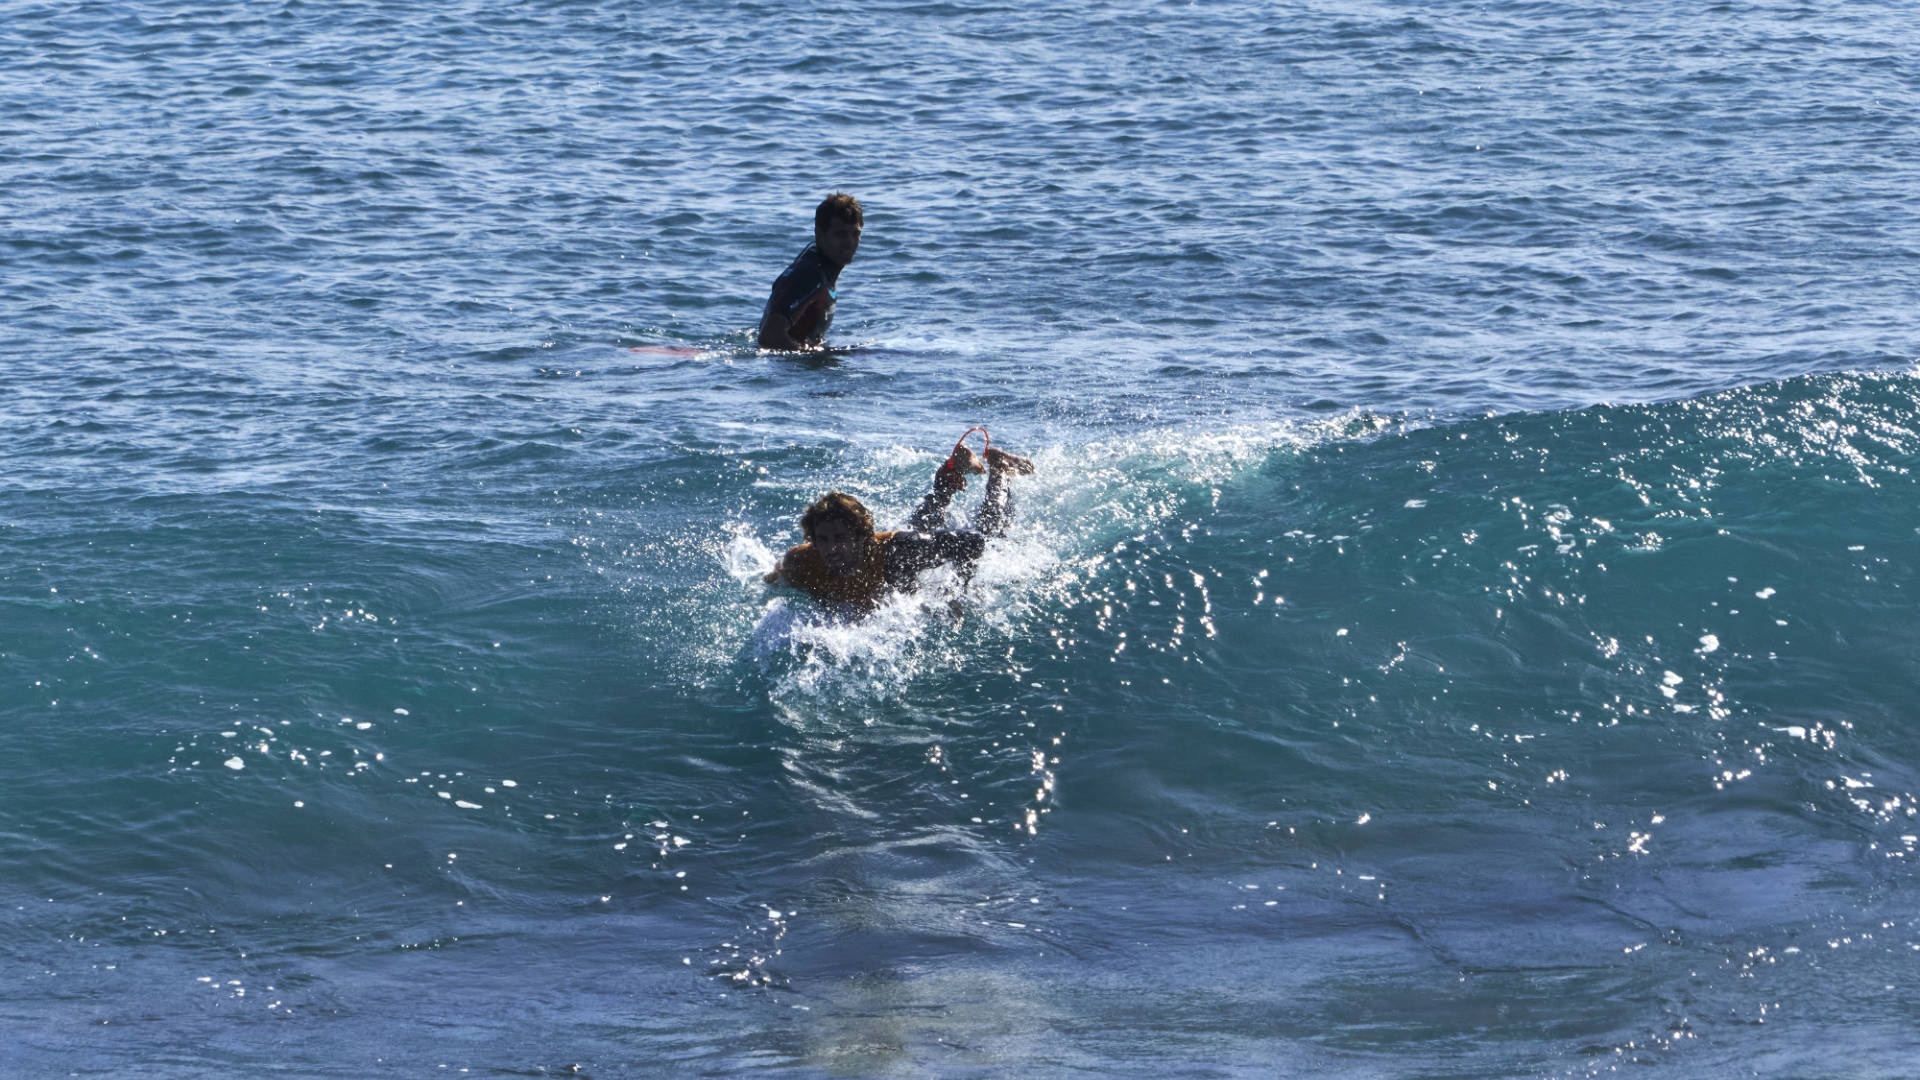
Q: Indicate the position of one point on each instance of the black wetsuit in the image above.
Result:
(909, 553)
(929, 545)
(995, 510)
(803, 295)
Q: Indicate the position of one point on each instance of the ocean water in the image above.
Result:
(1462, 624)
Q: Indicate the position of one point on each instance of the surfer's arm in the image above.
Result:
(775, 332)
(786, 310)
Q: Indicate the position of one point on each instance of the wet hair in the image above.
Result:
(836, 505)
(838, 206)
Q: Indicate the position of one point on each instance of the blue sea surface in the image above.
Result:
(1462, 624)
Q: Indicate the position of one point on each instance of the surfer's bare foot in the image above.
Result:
(951, 476)
(1000, 461)
(953, 472)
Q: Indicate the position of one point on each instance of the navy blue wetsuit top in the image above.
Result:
(803, 295)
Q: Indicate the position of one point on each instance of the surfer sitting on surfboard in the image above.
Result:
(801, 306)
(848, 568)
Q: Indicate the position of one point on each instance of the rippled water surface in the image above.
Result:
(1461, 624)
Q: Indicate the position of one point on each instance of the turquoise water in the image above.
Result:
(1461, 625)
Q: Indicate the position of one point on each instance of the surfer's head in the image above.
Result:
(837, 222)
(840, 529)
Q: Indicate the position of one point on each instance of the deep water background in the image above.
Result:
(1462, 624)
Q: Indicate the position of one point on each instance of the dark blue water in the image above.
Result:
(1461, 626)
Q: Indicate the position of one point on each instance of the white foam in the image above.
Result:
(747, 558)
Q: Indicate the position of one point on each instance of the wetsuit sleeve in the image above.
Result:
(911, 552)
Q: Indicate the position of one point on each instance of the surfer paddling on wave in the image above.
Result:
(848, 568)
(801, 306)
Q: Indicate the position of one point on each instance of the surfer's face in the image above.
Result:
(838, 241)
(840, 545)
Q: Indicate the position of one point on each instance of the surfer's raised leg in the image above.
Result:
(996, 511)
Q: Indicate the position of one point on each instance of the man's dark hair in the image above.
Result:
(838, 206)
(836, 505)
